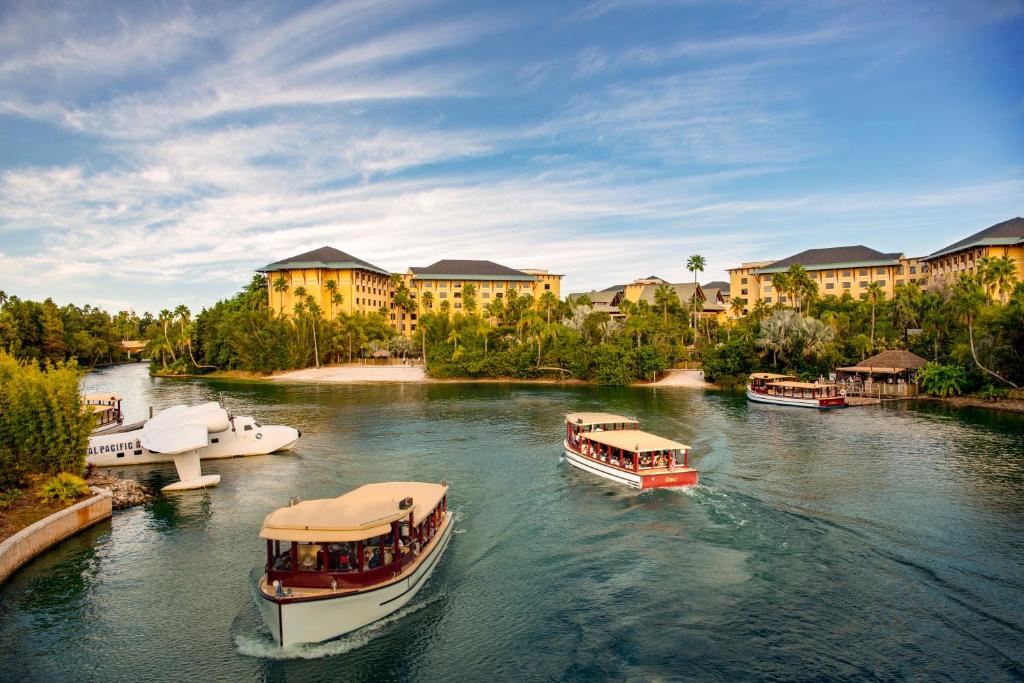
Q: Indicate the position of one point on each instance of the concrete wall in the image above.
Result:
(32, 540)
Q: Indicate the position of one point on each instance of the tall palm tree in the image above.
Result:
(332, 291)
(695, 264)
(875, 294)
(165, 317)
(469, 297)
(547, 303)
(454, 337)
(281, 286)
(665, 295)
(783, 285)
(182, 315)
(738, 306)
(999, 274)
(427, 300)
(445, 307)
(483, 330)
(968, 298)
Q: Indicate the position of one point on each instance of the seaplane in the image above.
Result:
(185, 435)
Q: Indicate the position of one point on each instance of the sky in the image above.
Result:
(153, 154)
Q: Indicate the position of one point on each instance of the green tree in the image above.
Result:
(281, 286)
(967, 301)
(875, 294)
(664, 296)
(942, 380)
(695, 264)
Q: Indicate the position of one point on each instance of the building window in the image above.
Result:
(442, 295)
(767, 299)
(830, 273)
(458, 305)
(743, 292)
(485, 295)
(846, 285)
(428, 285)
(863, 284)
(497, 285)
(847, 273)
(880, 282)
(497, 295)
(743, 280)
(899, 282)
(458, 284)
(879, 271)
(899, 270)
(863, 271)
(547, 285)
(830, 285)
(442, 285)
(767, 288)
(458, 295)
(412, 316)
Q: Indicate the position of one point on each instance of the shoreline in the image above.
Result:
(1006, 405)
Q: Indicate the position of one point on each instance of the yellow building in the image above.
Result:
(1002, 239)
(446, 281)
(835, 270)
(362, 286)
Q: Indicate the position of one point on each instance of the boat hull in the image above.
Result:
(819, 403)
(683, 476)
(125, 448)
(319, 619)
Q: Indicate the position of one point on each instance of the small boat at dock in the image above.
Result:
(613, 447)
(106, 408)
(335, 565)
(785, 390)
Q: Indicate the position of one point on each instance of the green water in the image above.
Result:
(865, 543)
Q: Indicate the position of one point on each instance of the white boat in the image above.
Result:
(185, 435)
(339, 564)
(784, 390)
(613, 447)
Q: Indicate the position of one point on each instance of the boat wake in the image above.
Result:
(263, 646)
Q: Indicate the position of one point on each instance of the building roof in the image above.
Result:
(588, 419)
(1007, 232)
(470, 270)
(834, 257)
(634, 440)
(602, 298)
(362, 513)
(893, 358)
(324, 257)
(721, 285)
(684, 290)
(614, 288)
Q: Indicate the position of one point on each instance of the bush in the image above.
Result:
(8, 497)
(64, 487)
(43, 425)
(942, 380)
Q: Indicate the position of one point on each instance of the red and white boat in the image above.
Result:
(613, 447)
(785, 390)
(338, 564)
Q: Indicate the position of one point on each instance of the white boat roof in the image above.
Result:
(362, 513)
(634, 440)
(588, 419)
(770, 375)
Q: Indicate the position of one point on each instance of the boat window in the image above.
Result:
(283, 559)
(256, 423)
(248, 428)
(310, 557)
(341, 557)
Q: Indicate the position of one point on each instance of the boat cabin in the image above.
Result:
(759, 380)
(805, 390)
(577, 424)
(634, 450)
(106, 408)
(365, 537)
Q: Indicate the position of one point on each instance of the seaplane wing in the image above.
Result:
(172, 439)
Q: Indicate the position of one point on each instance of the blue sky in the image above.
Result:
(157, 153)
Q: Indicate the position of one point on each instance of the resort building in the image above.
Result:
(721, 285)
(834, 270)
(1002, 239)
(357, 286)
(446, 281)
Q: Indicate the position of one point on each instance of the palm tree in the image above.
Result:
(695, 264)
(281, 286)
(182, 315)
(445, 307)
(861, 344)
(738, 306)
(454, 337)
(483, 330)
(999, 274)
(801, 285)
(336, 300)
(332, 290)
(315, 313)
(165, 318)
(782, 284)
(427, 300)
(665, 295)
(582, 301)
(875, 294)
(547, 303)
(968, 298)
(469, 297)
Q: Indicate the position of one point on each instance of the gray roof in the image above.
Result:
(1007, 232)
(469, 269)
(324, 257)
(720, 285)
(834, 256)
(614, 288)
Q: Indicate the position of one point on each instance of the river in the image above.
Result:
(869, 543)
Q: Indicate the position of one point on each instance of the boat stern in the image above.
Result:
(686, 476)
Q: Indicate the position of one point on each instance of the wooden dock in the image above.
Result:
(862, 401)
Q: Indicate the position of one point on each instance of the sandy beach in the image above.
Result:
(683, 378)
(347, 374)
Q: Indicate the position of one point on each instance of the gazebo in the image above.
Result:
(889, 372)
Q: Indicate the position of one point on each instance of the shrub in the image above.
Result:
(43, 425)
(8, 497)
(64, 487)
(942, 380)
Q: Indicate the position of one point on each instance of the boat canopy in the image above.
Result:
(770, 375)
(634, 441)
(801, 385)
(363, 513)
(589, 419)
